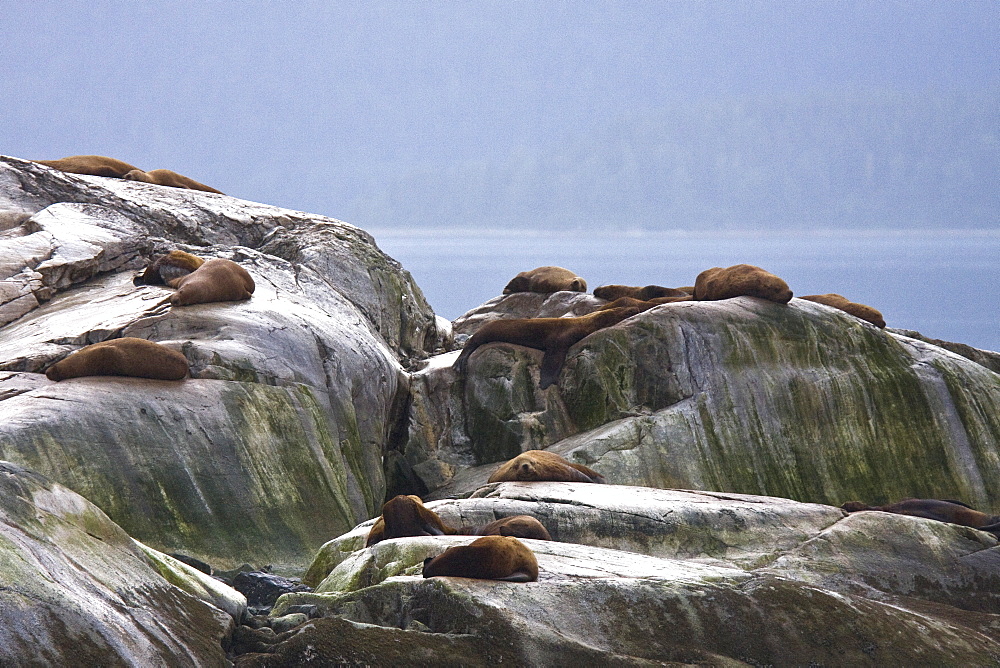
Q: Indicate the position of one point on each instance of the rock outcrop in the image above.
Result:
(729, 430)
(77, 590)
(800, 401)
(275, 442)
(639, 576)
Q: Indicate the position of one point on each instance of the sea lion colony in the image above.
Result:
(197, 281)
(513, 561)
(99, 165)
(555, 336)
(497, 554)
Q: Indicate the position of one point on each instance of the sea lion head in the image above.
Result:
(517, 284)
(137, 175)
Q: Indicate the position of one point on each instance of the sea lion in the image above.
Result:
(166, 177)
(216, 280)
(553, 335)
(954, 512)
(740, 280)
(546, 279)
(93, 165)
(126, 356)
(863, 311)
(518, 526)
(168, 267)
(486, 558)
(626, 302)
(541, 465)
(613, 292)
(407, 516)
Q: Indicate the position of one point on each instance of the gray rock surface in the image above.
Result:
(276, 440)
(682, 576)
(312, 401)
(800, 401)
(76, 590)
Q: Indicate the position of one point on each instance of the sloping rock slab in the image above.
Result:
(76, 590)
(742, 395)
(99, 223)
(274, 445)
(591, 602)
(276, 441)
(731, 530)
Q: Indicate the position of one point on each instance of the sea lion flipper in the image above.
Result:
(460, 364)
(520, 576)
(579, 476)
(992, 528)
(552, 364)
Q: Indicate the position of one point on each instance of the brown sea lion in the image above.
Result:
(166, 177)
(863, 311)
(546, 279)
(541, 465)
(216, 280)
(126, 356)
(626, 302)
(553, 335)
(407, 516)
(613, 292)
(486, 558)
(94, 165)
(954, 512)
(740, 280)
(168, 267)
(518, 526)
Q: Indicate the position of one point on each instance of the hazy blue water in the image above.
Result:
(941, 283)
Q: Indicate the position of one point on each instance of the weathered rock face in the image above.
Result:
(76, 590)
(275, 442)
(666, 575)
(799, 401)
(300, 415)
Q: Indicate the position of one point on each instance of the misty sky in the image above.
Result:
(371, 111)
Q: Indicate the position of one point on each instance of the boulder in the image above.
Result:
(77, 590)
(743, 395)
(709, 526)
(275, 443)
(673, 576)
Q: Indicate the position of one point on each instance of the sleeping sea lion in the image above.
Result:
(486, 558)
(216, 280)
(546, 279)
(541, 465)
(94, 165)
(642, 305)
(168, 267)
(954, 512)
(166, 177)
(126, 356)
(407, 516)
(518, 526)
(740, 280)
(863, 311)
(613, 292)
(553, 335)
